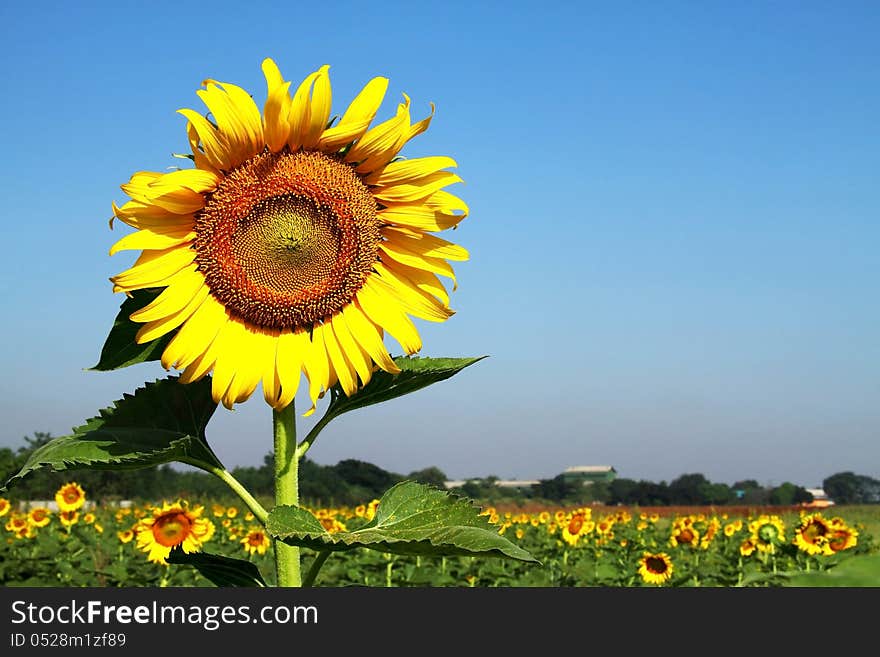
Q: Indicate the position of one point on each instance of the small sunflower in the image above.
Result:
(68, 518)
(768, 532)
(4, 506)
(39, 516)
(684, 533)
(256, 541)
(843, 537)
(294, 244)
(232, 512)
(171, 525)
(332, 525)
(573, 529)
(655, 568)
(812, 534)
(747, 547)
(70, 497)
(125, 536)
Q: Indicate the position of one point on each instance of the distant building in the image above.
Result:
(820, 499)
(590, 474)
(517, 483)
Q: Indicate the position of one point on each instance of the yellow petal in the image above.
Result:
(411, 298)
(357, 117)
(369, 337)
(159, 327)
(423, 280)
(203, 363)
(409, 171)
(153, 268)
(153, 239)
(289, 360)
(341, 365)
(276, 122)
(443, 201)
(420, 189)
(381, 143)
(383, 310)
(300, 113)
(407, 257)
(425, 245)
(143, 215)
(182, 287)
(212, 142)
(235, 126)
(316, 364)
(419, 216)
(319, 109)
(354, 354)
(195, 335)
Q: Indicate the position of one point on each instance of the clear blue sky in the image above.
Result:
(674, 222)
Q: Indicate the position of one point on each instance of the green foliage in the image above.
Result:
(162, 422)
(120, 349)
(411, 518)
(416, 373)
(850, 488)
(222, 571)
(862, 570)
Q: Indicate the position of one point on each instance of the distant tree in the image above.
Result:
(432, 476)
(557, 489)
(851, 488)
(623, 491)
(688, 489)
(787, 494)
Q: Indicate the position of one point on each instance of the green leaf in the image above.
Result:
(411, 518)
(222, 571)
(163, 421)
(120, 349)
(416, 373)
(854, 571)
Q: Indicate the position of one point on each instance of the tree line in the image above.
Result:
(352, 482)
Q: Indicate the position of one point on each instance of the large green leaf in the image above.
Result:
(163, 421)
(222, 571)
(415, 373)
(861, 570)
(120, 349)
(411, 518)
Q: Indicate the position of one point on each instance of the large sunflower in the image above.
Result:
(293, 244)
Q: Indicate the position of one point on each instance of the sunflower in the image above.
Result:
(68, 518)
(768, 531)
(655, 568)
(293, 244)
(4, 506)
(125, 536)
(842, 537)
(171, 525)
(39, 516)
(256, 541)
(812, 534)
(684, 533)
(70, 497)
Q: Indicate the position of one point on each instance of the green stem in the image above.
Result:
(256, 508)
(316, 566)
(304, 446)
(287, 567)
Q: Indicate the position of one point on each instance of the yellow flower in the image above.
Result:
(768, 532)
(294, 245)
(125, 535)
(89, 518)
(4, 506)
(842, 537)
(812, 534)
(218, 510)
(747, 547)
(39, 516)
(256, 541)
(332, 525)
(171, 525)
(574, 528)
(68, 518)
(655, 568)
(70, 497)
(231, 512)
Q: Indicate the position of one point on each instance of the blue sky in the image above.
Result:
(673, 230)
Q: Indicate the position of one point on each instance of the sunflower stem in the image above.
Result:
(287, 566)
(256, 508)
(316, 566)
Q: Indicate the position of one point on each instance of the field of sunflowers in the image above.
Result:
(83, 544)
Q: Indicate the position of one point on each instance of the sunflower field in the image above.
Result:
(139, 545)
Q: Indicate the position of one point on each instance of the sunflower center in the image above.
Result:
(170, 530)
(656, 565)
(287, 239)
(71, 496)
